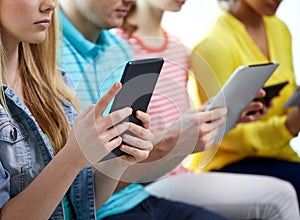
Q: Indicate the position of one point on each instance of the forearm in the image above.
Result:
(292, 121)
(162, 159)
(41, 197)
(106, 180)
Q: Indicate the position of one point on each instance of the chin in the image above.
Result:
(36, 40)
(175, 9)
(117, 22)
(270, 13)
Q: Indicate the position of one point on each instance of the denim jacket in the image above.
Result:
(24, 153)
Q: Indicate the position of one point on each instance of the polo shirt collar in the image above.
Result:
(81, 44)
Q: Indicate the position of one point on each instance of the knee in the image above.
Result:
(282, 202)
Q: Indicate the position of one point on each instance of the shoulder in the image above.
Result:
(277, 25)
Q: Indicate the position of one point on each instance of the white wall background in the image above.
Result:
(189, 25)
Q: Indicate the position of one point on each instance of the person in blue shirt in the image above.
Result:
(49, 161)
(95, 58)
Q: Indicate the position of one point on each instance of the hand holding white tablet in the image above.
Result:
(239, 90)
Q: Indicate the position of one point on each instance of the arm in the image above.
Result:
(223, 61)
(31, 203)
(108, 173)
(292, 121)
(55, 179)
(193, 132)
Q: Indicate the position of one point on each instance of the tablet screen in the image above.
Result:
(239, 90)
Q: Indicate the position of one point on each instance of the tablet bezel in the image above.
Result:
(238, 91)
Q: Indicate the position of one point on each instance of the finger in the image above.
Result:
(141, 132)
(115, 117)
(254, 106)
(211, 139)
(261, 93)
(115, 131)
(134, 154)
(212, 115)
(265, 110)
(144, 117)
(102, 104)
(197, 110)
(249, 118)
(202, 108)
(270, 104)
(213, 134)
(137, 142)
(114, 143)
(208, 127)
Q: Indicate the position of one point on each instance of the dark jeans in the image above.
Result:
(282, 169)
(154, 208)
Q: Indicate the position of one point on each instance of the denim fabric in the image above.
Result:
(154, 208)
(25, 151)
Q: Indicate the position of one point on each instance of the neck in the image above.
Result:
(11, 72)
(12, 75)
(243, 12)
(83, 25)
(148, 19)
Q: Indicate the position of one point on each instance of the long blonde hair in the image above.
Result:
(43, 87)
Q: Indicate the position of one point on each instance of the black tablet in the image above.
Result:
(138, 82)
(271, 92)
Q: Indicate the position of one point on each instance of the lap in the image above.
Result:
(282, 169)
(162, 209)
(237, 196)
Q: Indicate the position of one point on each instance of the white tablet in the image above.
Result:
(294, 100)
(239, 90)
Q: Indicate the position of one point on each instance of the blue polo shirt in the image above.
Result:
(93, 68)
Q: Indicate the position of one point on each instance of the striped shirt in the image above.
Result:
(170, 98)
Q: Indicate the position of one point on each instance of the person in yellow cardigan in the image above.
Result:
(248, 32)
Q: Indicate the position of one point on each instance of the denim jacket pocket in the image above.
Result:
(15, 153)
(10, 132)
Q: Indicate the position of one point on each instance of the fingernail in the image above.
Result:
(117, 85)
(129, 109)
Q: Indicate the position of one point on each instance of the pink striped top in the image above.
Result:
(170, 98)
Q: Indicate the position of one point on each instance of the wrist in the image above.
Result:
(165, 142)
(292, 121)
(73, 157)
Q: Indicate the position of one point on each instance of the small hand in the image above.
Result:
(93, 135)
(197, 129)
(254, 110)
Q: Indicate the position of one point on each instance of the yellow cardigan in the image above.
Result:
(226, 46)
